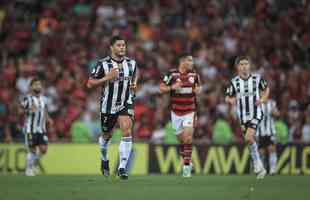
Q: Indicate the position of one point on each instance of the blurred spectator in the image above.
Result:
(80, 132)
(281, 132)
(222, 133)
(61, 40)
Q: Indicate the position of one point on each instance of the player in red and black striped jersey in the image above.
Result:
(183, 84)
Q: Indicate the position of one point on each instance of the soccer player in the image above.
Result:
(117, 76)
(183, 84)
(248, 91)
(35, 107)
(266, 134)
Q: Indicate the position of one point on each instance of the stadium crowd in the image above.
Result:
(60, 41)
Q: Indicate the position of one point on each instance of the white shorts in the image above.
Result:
(179, 122)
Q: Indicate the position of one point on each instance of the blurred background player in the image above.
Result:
(35, 108)
(116, 74)
(248, 91)
(183, 84)
(266, 134)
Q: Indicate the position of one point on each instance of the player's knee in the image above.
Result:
(271, 149)
(106, 136)
(250, 139)
(189, 139)
(127, 132)
(43, 150)
(186, 138)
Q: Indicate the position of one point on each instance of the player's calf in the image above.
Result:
(104, 143)
(105, 168)
(258, 165)
(186, 151)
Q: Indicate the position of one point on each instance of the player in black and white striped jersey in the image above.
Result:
(117, 75)
(248, 91)
(266, 134)
(35, 130)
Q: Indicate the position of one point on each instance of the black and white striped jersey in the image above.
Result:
(266, 126)
(247, 92)
(116, 94)
(35, 109)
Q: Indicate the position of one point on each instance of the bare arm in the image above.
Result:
(198, 89)
(264, 96)
(275, 111)
(49, 119)
(230, 100)
(134, 83)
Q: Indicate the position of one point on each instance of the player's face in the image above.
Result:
(188, 62)
(37, 87)
(119, 48)
(244, 68)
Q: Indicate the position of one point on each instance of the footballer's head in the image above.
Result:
(186, 60)
(243, 66)
(118, 46)
(36, 85)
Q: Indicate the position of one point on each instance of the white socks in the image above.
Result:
(103, 143)
(273, 160)
(125, 148)
(254, 152)
(32, 158)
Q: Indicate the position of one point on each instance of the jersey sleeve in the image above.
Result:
(98, 71)
(230, 90)
(166, 79)
(263, 84)
(25, 102)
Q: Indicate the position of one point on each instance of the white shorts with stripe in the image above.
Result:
(179, 122)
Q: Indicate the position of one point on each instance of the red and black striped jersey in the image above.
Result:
(182, 100)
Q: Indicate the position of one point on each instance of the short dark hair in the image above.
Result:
(239, 58)
(115, 38)
(183, 55)
(35, 79)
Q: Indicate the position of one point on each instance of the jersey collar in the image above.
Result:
(245, 79)
(117, 61)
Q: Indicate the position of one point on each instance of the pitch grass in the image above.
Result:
(154, 188)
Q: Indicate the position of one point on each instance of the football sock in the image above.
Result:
(186, 152)
(103, 143)
(273, 160)
(125, 148)
(31, 157)
(254, 152)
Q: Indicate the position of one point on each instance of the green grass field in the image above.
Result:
(154, 188)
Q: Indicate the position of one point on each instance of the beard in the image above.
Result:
(37, 91)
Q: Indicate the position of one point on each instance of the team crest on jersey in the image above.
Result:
(191, 79)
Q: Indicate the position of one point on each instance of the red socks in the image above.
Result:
(186, 153)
